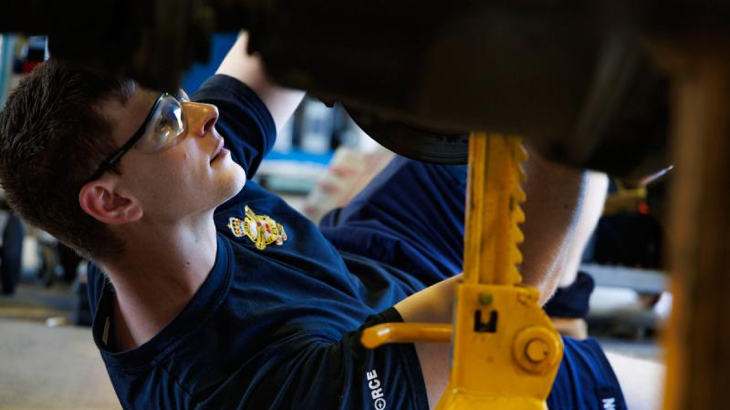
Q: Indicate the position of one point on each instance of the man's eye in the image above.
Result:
(163, 125)
(170, 120)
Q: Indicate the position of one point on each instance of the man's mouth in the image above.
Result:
(218, 150)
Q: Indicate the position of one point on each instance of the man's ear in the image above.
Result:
(101, 200)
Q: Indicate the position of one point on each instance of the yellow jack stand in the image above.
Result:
(505, 350)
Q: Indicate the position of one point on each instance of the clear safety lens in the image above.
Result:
(166, 125)
(182, 96)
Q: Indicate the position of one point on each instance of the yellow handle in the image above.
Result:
(376, 336)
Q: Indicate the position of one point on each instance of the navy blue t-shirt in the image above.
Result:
(276, 323)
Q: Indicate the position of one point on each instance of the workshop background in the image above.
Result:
(320, 160)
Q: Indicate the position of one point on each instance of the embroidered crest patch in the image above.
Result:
(260, 229)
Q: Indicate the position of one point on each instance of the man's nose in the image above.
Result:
(201, 118)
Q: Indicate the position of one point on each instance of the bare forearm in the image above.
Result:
(433, 304)
(589, 214)
(249, 69)
(555, 201)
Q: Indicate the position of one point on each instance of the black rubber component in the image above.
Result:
(11, 254)
(435, 146)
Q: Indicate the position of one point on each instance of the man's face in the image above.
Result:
(184, 180)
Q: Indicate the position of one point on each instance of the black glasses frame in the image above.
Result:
(108, 163)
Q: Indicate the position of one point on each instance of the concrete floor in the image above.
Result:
(43, 367)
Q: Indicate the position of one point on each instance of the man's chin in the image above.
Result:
(235, 183)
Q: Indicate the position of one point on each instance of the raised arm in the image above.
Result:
(249, 69)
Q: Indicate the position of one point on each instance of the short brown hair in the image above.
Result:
(52, 139)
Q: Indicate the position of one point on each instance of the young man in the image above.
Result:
(211, 292)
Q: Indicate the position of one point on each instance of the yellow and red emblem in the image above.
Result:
(260, 229)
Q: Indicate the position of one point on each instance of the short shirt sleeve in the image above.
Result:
(318, 374)
(244, 122)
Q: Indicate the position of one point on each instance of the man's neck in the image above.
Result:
(161, 270)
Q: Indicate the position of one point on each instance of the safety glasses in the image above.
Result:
(163, 128)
